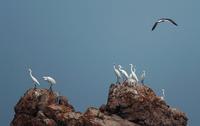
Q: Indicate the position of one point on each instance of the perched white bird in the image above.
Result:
(143, 76)
(163, 20)
(133, 74)
(163, 94)
(124, 73)
(131, 81)
(50, 80)
(117, 73)
(35, 81)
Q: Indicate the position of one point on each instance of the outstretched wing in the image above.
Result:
(154, 26)
(173, 22)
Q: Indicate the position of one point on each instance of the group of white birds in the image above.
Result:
(49, 79)
(119, 72)
(130, 78)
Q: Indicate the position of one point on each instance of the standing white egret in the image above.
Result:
(133, 74)
(35, 81)
(117, 73)
(143, 76)
(50, 80)
(163, 94)
(124, 73)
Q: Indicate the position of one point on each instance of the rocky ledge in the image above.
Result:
(127, 105)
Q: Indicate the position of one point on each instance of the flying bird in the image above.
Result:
(35, 81)
(117, 73)
(50, 80)
(124, 73)
(164, 20)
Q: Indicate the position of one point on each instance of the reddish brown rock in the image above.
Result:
(39, 107)
(139, 104)
(127, 105)
(93, 117)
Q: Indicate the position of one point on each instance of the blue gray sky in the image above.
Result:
(77, 42)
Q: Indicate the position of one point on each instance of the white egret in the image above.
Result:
(143, 76)
(163, 94)
(35, 81)
(124, 73)
(50, 80)
(133, 74)
(117, 73)
(163, 20)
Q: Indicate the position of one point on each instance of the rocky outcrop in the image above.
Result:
(40, 107)
(127, 105)
(139, 104)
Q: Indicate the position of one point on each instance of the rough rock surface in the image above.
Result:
(139, 104)
(127, 105)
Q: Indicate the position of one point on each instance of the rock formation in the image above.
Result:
(127, 105)
(139, 104)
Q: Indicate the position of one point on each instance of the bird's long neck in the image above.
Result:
(31, 73)
(134, 70)
(163, 93)
(131, 68)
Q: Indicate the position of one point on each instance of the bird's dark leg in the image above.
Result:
(123, 78)
(57, 100)
(51, 88)
(35, 86)
(142, 81)
(118, 80)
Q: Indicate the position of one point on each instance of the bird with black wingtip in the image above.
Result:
(163, 20)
